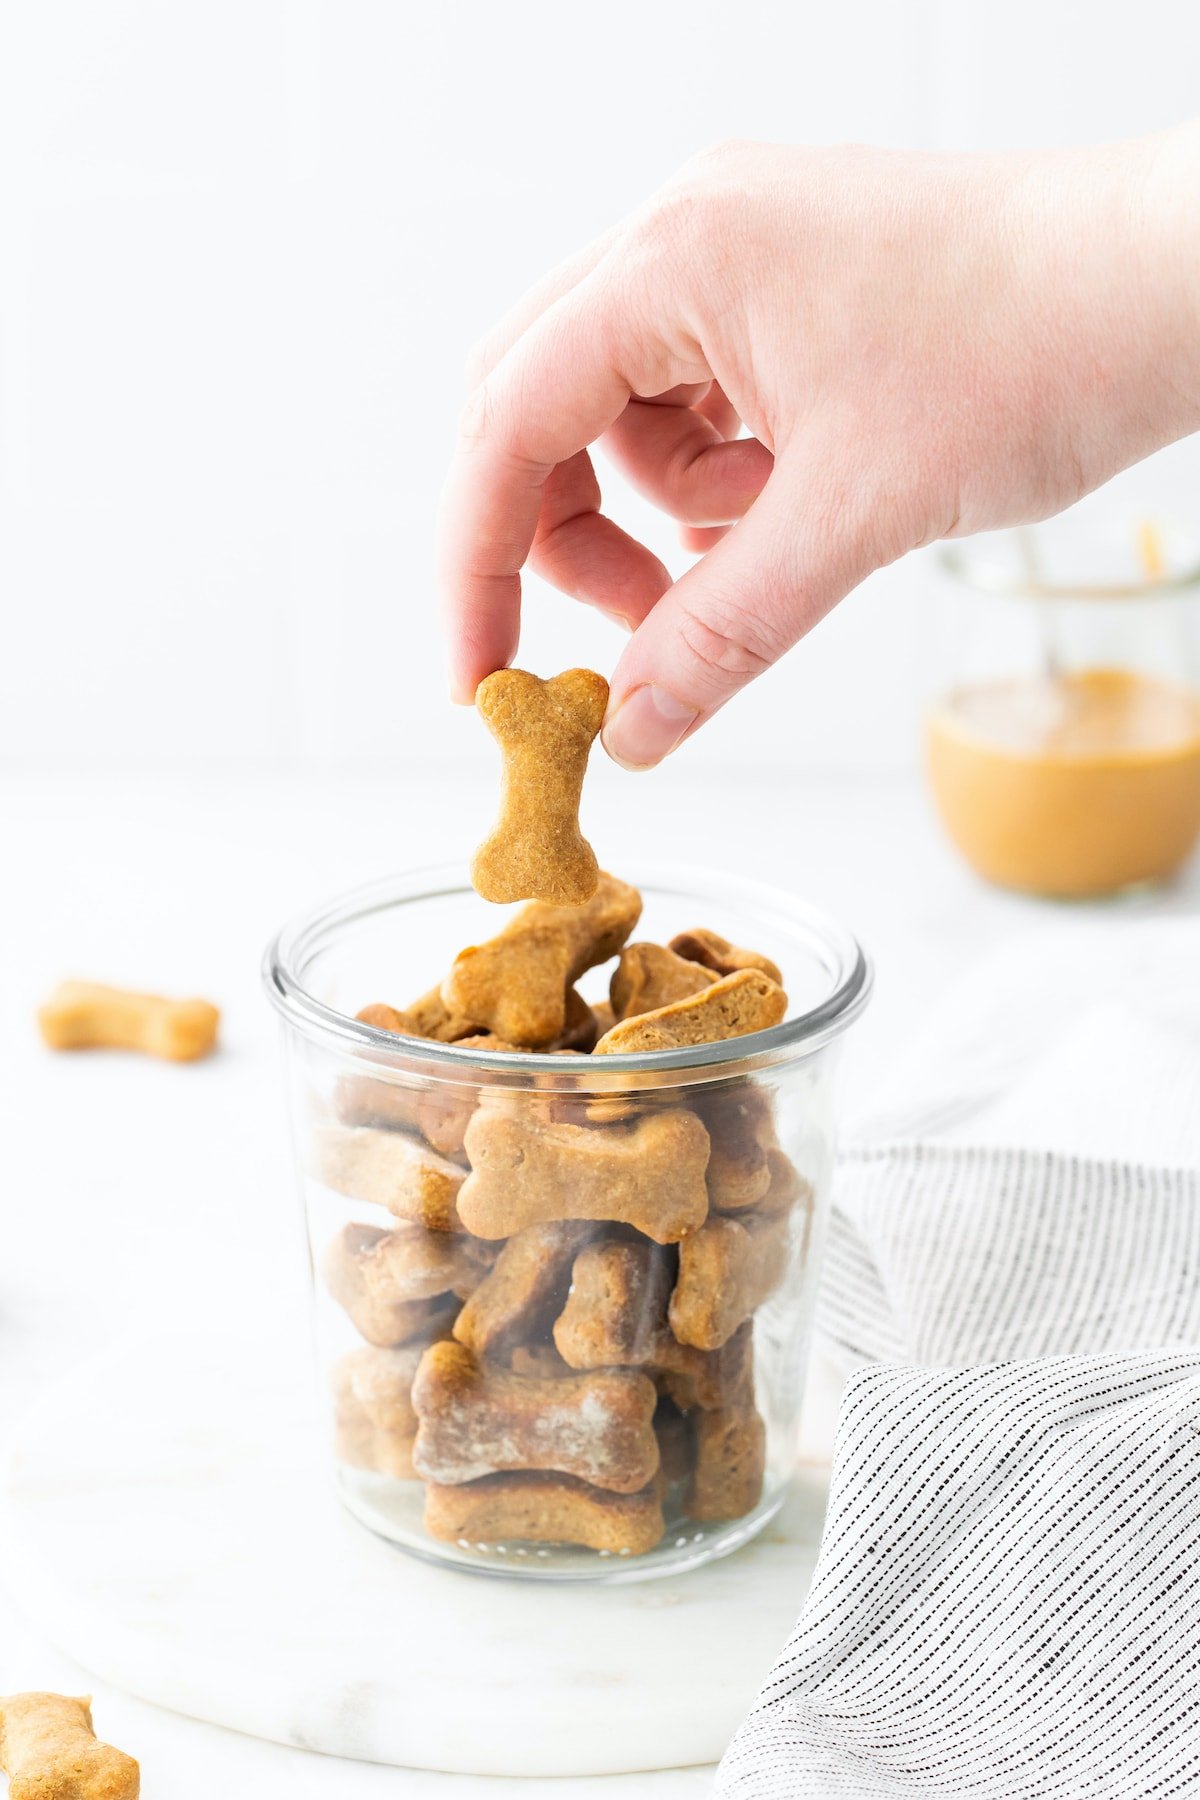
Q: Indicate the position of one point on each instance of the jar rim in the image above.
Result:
(800, 1034)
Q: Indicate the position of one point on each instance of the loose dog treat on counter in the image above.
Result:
(649, 976)
(544, 1509)
(387, 1168)
(731, 1455)
(718, 953)
(524, 1172)
(511, 1303)
(82, 1015)
(545, 730)
(732, 1007)
(403, 1284)
(477, 1419)
(49, 1751)
(516, 984)
(726, 1270)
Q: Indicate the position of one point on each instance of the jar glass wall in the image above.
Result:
(563, 1302)
(1063, 741)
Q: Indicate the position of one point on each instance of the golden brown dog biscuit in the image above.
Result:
(390, 1169)
(616, 1312)
(49, 1751)
(516, 984)
(731, 1454)
(676, 1434)
(579, 1026)
(788, 1190)
(544, 1509)
(529, 1276)
(741, 1123)
(478, 1419)
(525, 1172)
(545, 730)
(82, 1015)
(427, 1017)
(376, 1424)
(649, 976)
(400, 1285)
(540, 1359)
(726, 1270)
(604, 1016)
(732, 1007)
(719, 954)
(616, 1316)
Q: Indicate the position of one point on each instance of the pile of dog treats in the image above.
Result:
(558, 1314)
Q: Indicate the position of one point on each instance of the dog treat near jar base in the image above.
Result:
(726, 1271)
(731, 1454)
(649, 1174)
(516, 984)
(718, 954)
(49, 1751)
(478, 1419)
(399, 1285)
(511, 1302)
(389, 1169)
(734, 1006)
(649, 976)
(83, 1015)
(544, 1509)
(545, 730)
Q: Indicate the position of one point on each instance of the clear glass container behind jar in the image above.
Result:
(1063, 744)
(563, 1302)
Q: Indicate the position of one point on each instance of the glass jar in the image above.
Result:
(1063, 744)
(563, 1302)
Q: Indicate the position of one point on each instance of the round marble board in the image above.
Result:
(171, 1523)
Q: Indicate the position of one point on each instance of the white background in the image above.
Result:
(244, 247)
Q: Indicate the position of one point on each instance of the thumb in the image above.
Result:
(798, 550)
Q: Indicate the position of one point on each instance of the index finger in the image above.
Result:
(562, 384)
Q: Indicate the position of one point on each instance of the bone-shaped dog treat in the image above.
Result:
(733, 1006)
(376, 1424)
(49, 1751)
(387, 1168)
(726, 1271)
(544, 1509)
(477, 1419)
(427, 1017)
(719, 954)
(525, 1172)
(516, 984)
(616, 1316)
(545, 730)
(82, 1015)
(741, 1125)
(788, 1190)
(727, 1480)
(579, 1025)
(511, 1303)
(650, 976)
(399, 1285)
(616, 1312)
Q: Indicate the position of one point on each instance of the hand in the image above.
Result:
(921, 346)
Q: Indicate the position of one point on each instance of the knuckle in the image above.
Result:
(727, 641)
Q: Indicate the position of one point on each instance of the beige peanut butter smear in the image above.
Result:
(1069, 785)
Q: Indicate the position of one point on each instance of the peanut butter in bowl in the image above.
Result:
(1069, 784)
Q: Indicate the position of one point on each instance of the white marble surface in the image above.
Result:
(170, 1516)
(145, 1201)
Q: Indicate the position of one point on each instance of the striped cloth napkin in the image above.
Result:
(1007, 1598)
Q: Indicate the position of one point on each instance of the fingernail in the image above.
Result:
(646, 726)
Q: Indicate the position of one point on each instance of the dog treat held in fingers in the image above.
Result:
(82, 1015)
(719, 954)
(545, 730)
(478, 1419)
(516, 984)
(387, 1168)
(732, 1007)
(649, 976)
(400, 1285)
(544, 1509)
(49, 1751)
(529, 1276)
(726, 1270)
(730, 1460)
(649, 1174)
